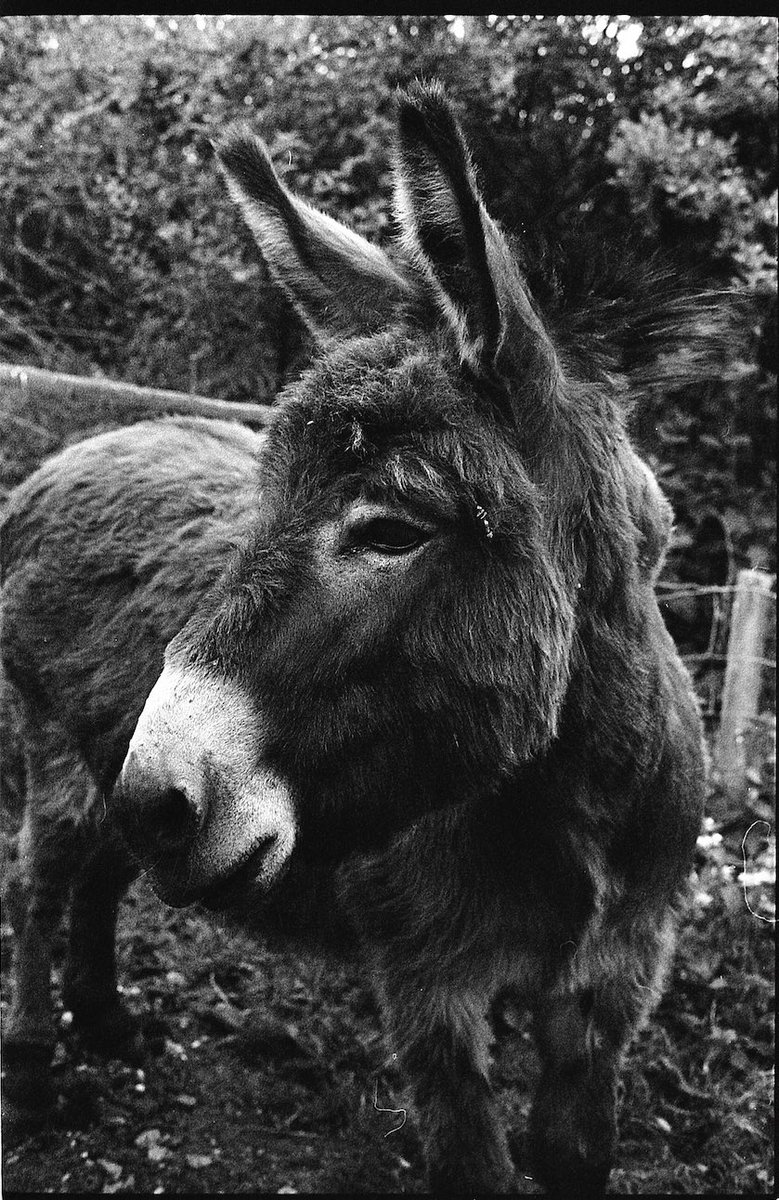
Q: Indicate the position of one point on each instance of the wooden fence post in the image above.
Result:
(749, 624)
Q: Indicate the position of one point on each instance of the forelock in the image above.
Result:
(389, 417)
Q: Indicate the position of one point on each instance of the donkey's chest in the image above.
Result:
(503, 904)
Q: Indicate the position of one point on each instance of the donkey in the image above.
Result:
(389, 675)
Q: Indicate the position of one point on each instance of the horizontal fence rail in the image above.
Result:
(82, 401)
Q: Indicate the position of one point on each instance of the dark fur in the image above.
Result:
(495, 752)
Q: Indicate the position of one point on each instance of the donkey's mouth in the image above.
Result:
(236, 887)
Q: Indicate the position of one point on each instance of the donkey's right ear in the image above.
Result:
(338, 281)
(450, 237)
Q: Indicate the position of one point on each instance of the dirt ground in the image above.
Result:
(270, 1074)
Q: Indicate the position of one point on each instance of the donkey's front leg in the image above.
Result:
(49, 848)
(573, 1123)
(583, 1031)
(90, 984)
(442, 1042)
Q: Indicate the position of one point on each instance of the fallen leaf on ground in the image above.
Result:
(196, 1161)
(112, 1169)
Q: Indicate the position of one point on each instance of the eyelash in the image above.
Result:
(377, 535)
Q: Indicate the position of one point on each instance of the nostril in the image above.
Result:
(174, 819)
(159, 808)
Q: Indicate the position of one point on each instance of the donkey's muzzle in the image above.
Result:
(158, 815)
(199, 809)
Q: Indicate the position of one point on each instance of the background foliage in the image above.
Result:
(118, 253)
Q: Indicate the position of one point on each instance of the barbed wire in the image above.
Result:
(694, 589)
(709, 666)
(723, 658)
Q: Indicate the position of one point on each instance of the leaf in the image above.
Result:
(148, 1137)
(198, 1161)
(268, 1037)
(223, 1017)
(113, 1170)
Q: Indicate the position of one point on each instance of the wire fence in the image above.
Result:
(716, 656)
(735, 675)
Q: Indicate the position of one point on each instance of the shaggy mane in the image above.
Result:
(614, 310)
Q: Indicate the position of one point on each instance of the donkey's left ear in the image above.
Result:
(449, 234)
(339, 282)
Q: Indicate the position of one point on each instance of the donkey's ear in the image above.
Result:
(338, 281)
(448, 232)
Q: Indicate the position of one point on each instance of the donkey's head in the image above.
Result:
(400, 630)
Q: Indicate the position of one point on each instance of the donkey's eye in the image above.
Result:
(390, 535)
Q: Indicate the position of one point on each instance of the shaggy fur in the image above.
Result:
(432, 582)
